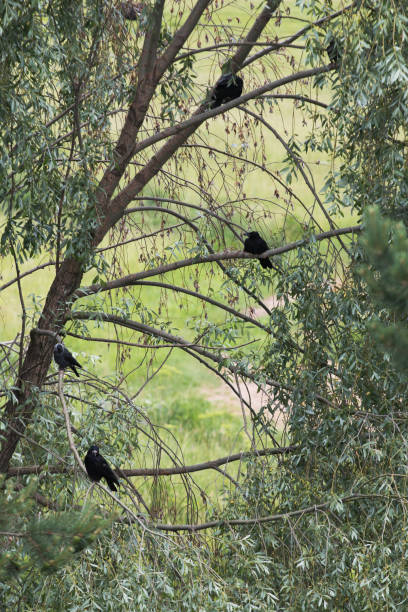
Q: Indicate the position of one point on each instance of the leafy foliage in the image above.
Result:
(321, 527)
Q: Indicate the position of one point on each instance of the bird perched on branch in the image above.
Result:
(97, 468)
(333, 52)
(65, 359)
(256, 245)
(228, 87)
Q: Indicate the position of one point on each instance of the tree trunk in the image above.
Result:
(38, 357)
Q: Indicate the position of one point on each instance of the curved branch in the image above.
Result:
(76, 454)
(205, 298)
(298, 166)
(160, 333)
(169, 228)
(132, 279)
(272, 517)
(68, 423)
(231, 45)
(20, 276)
(156, 346)
(294, 97)
(180, 133)
(188, 205)
(264, 169)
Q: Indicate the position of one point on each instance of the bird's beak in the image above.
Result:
(94, 452)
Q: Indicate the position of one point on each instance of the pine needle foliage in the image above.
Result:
(385, 245)
(46, 542)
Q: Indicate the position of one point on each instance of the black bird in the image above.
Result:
(333, 52)
(228, 87)
(257, 245)
(97, 468)
(65, 359)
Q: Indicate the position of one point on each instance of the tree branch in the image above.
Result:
(208, 246)
(183, 469)
(272, 517)
(297, 35)
(213, 112)
(205, 298)
(151, 69)
(132, 279)
(299, 167)
(260, 23)
(273, 176)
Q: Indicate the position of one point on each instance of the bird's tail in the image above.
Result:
(266, 263)
(111, 484)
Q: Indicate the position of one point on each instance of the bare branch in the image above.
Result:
(232, 45)
(205, 298)
(154, 346)
(299, 167)
(273, 176)
(260, 23)
(207, 211)
(20, 276)
(294, 97)
(207, 244)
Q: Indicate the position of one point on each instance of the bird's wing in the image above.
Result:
(107, 470)
(71, 359)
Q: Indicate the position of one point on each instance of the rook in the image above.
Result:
(228, 87)
(97, 468)
(332, 51)
(256, 245)
(65, 359)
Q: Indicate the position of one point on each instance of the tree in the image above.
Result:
(98, 116)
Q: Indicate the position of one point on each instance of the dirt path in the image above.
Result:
(271, 302)
(221, 394)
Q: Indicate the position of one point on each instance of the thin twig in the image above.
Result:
(68, 422)
(243, 413)
(20, 276)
